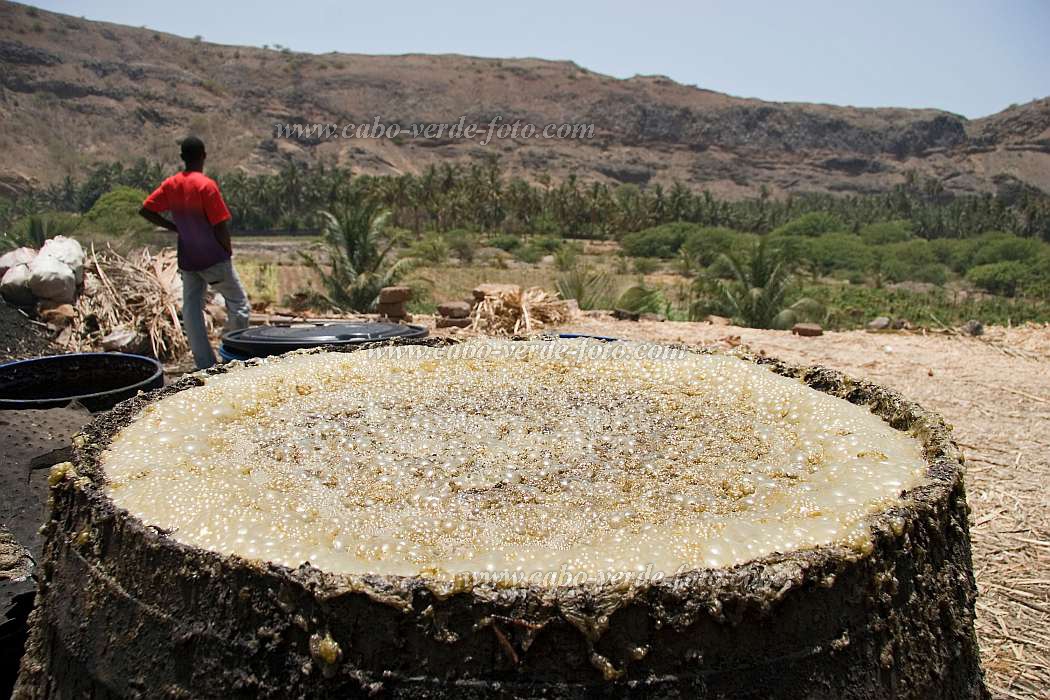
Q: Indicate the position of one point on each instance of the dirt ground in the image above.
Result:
(19, 336)
(995, 391)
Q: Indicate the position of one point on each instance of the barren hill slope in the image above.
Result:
(74, 91)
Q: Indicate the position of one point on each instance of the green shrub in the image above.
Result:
(721, 268)
(956, 253)
(547, 244)
(657, 242)
(505, 241)
(1005, 247)
(592, 289)
(529, 253)
(463, 243)
(708, 298)
(815, 223)
(759, 287)
(646, 266)
(422, 301)
(705, 244)
(793, 250)
(804, 310)
(431, 249)
(911, 260)
(1036, 283)
(838, 252)
(851, 306)
(885, 232)
(117, 212)
(934, 273)
(33, 230)
(357, 264)
(1004, 278)
(567, 257)
(641, 299)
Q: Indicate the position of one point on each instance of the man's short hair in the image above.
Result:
(192, 149)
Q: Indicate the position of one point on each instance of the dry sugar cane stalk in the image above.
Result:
(513, 312)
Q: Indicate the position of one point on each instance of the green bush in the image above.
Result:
(815, 223)
(657, 242)
(592, 289)
(357, 264)
(547, 244)
(529, 253)
(956, 253)
(760, 286)
(708, 298)
(117, 212)
(991, 247)
(793, 250)
(934, 273)
(641, 299)
(463, 243)
(805, 310)
(721, 269)
(885, 232)
(431, 249)
(1005, 247)
(1037, 281)
(646, 266)
(851, 306)
(505, 241)
(838, 252)
(1004, 278)
(913, 260)
(707, 243)
(33, 230)
(567, 257)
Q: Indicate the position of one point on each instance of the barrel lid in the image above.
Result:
(272, 340)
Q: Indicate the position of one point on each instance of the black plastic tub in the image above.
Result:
(97, 380)
(264, 341)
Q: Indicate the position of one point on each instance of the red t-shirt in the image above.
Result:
(197, 206)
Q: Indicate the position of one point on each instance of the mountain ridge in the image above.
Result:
(74, 92)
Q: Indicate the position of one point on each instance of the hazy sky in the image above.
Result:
(969, 57)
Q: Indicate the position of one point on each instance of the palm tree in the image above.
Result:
(759, 286)
(358, 266)
(592, 289)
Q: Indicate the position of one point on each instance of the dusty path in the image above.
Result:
(995, 390)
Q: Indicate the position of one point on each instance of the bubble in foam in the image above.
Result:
(509, 458)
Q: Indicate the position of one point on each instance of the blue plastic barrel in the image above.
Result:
(228, 355)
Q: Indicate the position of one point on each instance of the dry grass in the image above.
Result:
(995, 390)
(140, 293)
(514, 311)
(261, 281)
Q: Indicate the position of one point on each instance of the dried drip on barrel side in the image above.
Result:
(537, 461)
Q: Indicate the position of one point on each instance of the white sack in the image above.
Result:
(52, 279)
(66, 250)
(15, 285)
(18, 256)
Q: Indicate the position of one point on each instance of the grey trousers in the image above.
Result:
(223, 278)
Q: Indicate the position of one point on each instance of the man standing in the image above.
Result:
(205, 250)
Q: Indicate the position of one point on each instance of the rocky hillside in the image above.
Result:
(73, 92)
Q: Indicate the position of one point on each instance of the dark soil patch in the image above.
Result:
(19, 337)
